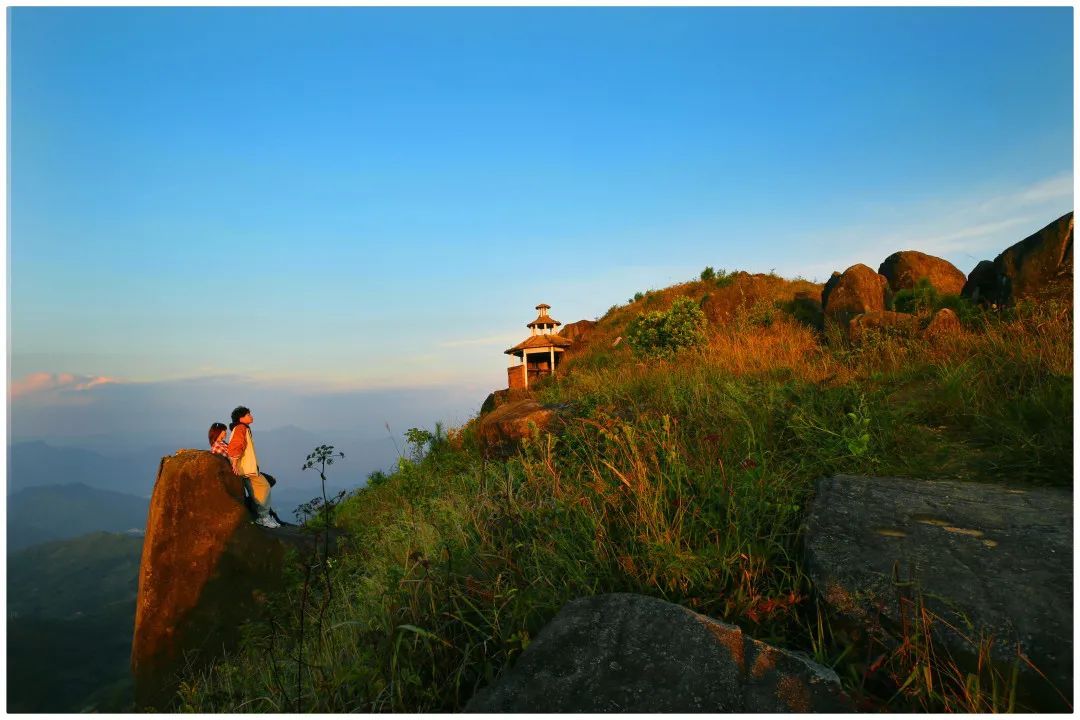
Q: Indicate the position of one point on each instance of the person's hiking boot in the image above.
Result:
(268, 522)
(279, 520)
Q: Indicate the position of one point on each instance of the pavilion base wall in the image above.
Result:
(515, 377)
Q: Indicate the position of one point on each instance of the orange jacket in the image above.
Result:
(238, 442)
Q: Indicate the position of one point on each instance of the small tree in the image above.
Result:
(376, 478)
(708, 274)
(318, 459)
(418, 439)
(662, 334)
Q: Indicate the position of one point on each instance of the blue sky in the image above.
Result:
(327, 201)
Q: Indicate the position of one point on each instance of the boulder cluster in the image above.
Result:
(1037, 267)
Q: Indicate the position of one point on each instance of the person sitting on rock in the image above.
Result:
(218, 446)
(245, 464)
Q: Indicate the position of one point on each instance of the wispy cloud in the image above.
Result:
(1053, 188)
(973, 237)
(56, 384)
(962, 230)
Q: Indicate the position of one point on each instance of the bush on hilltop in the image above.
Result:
(662, 334)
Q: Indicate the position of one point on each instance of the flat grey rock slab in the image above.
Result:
(988, 559)
(631, 653)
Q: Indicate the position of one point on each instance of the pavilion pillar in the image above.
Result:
(525, 366)
(552, 349)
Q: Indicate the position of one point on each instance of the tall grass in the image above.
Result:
(685, 479)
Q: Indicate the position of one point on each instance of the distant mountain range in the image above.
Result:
(38, 463)
(54, 512)
(62, 492)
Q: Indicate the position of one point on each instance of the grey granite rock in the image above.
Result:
(631, 653)
(988, 560)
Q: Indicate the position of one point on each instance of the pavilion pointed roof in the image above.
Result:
(543, 319)
(537, 342)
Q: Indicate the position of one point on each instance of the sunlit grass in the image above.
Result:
(685, 479)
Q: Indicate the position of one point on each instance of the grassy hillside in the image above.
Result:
(71, 610)
(684, 478)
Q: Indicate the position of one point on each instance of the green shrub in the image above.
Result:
(662, 334)
(924, 299)
(919, 300)
(804, 311)
(968, 312)
(762, 313)
(708, 274)
(724, 278)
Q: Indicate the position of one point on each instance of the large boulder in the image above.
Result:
(858, 290)
(831, 283)
(578, 332)
(988, 560)
(883, 322)
(1038, 261)
(631, 653)
(494, 400)
(944, 323)
(904, 269)
(205, 569)
(983, 285)
(1039, 266)
(504, 427)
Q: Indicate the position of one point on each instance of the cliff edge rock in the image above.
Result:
(205, 569)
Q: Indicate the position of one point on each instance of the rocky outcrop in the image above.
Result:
(632, 653)
(505, 426)
(495, 399)
(1039, 266)
(831, 283)
(983, 284)
(1038, 261)
(578, 332)
(987, 560)
(858, 290)
(904, 269)
(205, 569)
(882, 321)
(943, 324)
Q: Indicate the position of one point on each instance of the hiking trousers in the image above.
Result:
(259, 488)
